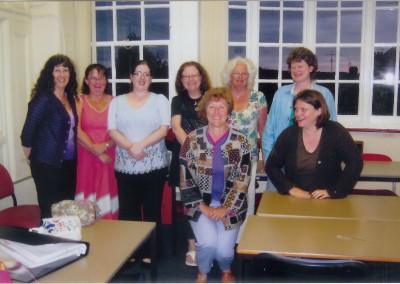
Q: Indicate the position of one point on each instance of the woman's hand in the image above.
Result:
(216, 214)
(320, 194)
(299, 193)
(98, 149)
(137, 151)
(105, 158)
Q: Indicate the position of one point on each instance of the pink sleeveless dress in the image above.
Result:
(95, 180)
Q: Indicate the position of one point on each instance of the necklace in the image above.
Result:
(61, 100)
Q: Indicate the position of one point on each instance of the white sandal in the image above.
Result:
(192, 254)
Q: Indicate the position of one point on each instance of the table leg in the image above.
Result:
(153, 253)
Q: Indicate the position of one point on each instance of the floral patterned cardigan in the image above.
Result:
(196, 174)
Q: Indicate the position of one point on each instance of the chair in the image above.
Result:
(324, 270)
(376, 157)
(23, 216)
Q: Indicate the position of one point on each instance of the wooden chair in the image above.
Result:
(23, 216)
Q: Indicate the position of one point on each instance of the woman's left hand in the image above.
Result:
(320, 194)
(137, 151)
(218, 214)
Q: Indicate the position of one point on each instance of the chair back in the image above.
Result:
(6, 184)
(375, 157)
(267, 263)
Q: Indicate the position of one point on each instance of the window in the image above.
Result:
(358, 57)
(128, 31)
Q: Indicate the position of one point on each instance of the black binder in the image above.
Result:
(24, 236)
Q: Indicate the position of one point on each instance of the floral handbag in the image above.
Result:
(87, 211)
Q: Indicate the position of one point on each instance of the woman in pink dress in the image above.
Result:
(96, 150)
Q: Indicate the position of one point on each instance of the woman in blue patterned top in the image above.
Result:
(215, 170)
(49, 135)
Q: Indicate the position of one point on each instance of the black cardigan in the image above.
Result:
(336, 147)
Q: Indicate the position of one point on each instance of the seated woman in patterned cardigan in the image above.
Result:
(214, 178)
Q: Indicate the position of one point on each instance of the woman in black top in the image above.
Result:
(191, 83)
(312, 153)
(49, 135)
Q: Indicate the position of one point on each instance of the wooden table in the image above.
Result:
(372, 171)
(352, 207)
(357, 239)
(112, 243)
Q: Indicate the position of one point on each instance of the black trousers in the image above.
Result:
(53, 184)
(140, 198)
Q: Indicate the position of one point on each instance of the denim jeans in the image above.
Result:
(213, 242)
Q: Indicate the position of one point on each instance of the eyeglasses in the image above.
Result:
(188, 77)
(142, 74)
(237, 74)
(100, 79)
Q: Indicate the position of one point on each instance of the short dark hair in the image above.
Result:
(302, 53)
(102, 70)
(140, 62)
(214, 94)
(316, 99)
(205, 81)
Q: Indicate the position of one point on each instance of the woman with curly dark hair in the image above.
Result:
(49, 135)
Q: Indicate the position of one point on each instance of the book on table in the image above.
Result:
(29, 255)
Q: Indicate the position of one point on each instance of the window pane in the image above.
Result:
(386, 26)
(326, 63)
(103, 3)
(269, 90)
(238, 3)
(237, 25)
(382, 100)
(348, 99)
(157, 57)
(351, 4)
(387, 3)
(326, 26)
(293, 4)
(349, 64)
(160, 88)
(384, 62)
(398, 100)
(285, 68)
(104, 57)
(123, 88)
(330, 87)
(128, 24)
(104, 26)
(269, 63)
(269, 3)
(125, 3)
(293, 26)
(327, 4)
(350, 31)
(236, 51)
(125, 57)
(157, 24)
(269, 26)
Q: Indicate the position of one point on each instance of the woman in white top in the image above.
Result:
(138, 123)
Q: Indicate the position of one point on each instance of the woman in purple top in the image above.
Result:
(215, 170)
(49, 135)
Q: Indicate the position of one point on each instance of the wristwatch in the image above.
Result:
(107, 145)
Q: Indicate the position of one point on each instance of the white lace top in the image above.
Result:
(136, 124)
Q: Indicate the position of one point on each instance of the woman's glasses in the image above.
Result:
(142, 74)
(100, 79)
(190, 77)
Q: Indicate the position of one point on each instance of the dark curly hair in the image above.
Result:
(205, 81)
(302, 53)
(102, 70)
(45, 82)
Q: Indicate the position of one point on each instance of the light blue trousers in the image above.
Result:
(213, 242)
